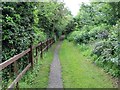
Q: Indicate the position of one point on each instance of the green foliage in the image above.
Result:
(79, 37)
(98, 23)
(28, 23)
(76, 68)
(39, 35)
(17, 31)
(107, 53)
(99, 32)
(39, 76)
(89, 33)
(53, 17)
(73, 35)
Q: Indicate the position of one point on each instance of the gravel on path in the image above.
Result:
(55, 78)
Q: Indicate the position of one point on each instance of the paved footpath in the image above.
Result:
(55, 78)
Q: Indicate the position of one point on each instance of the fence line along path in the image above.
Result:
(40, 48)
(55, 79)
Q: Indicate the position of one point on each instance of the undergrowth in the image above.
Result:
(38, 76)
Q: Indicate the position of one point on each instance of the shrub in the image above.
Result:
(99, 32)
(88, 33)
(107, 53)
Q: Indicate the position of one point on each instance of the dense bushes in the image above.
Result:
(17, 33)
(106, 49)
(101, 32)
(107, 53)
(89, 33)
(27, 23)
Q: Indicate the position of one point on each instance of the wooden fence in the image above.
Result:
(41, 47)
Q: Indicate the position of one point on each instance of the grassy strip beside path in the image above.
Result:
(40, 75)
(78, 72)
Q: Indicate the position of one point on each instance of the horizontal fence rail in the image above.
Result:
(41, 47)
(13, 59)
(19, 76)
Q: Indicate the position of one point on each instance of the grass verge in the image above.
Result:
(39, 76)
(78, 71)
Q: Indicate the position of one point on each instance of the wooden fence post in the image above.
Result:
(36, 51)
(16, 73)
(36, 54)
(53, 40)
(31, 56)
(50, 42)
(41, 54)
(47, 44)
